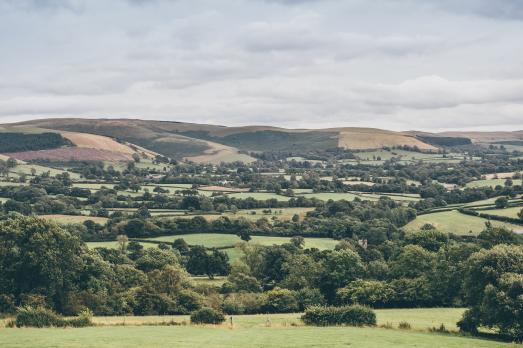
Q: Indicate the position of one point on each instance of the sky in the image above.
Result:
(429, 65)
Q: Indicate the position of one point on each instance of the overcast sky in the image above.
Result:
(396, 64)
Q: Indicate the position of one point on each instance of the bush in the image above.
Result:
(280, 301)
(355, 315)
(207, 316)
(43, 317)
(244, 303)
(404, 325)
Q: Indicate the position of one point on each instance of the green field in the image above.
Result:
(509, 212)
(72, 219)
(214, 240)
(325, 196)
(26, 169)
(486, 182)
(261, 196)
(277, 330)
(455, 222)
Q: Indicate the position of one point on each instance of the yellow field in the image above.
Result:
(100, 142)
(369, 138)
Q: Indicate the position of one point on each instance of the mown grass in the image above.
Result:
(277, 330)
(455, 222)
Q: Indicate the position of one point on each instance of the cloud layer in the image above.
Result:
(430, 65)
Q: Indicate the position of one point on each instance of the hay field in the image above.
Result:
(369, 138)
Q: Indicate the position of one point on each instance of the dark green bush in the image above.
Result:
(280, 301)
(355, 315)
(207, 316)
(43, 317)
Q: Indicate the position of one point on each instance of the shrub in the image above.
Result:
(440, 329)
(207, 315)
(280, 301)
(367, 292)
(404, 325)
(43, 317)
(307, 297)
(355, 315)
(244, 303)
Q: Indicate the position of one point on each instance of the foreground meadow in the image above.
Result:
(274, 330)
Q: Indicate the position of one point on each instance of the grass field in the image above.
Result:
(325, 196)
(509, 212)
(70, 219)
(214, 240)
(486, 182)
(255, 214)
(261, 196)
(26, 169)
(455, 222)
(277, 330)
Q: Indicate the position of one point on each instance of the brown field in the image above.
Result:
(369, 138)
(72, 153)
(486, 136)
(499, 175)
(92, 141)
(217, 153)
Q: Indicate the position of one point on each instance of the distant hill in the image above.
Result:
(27, 143)
(214, 143)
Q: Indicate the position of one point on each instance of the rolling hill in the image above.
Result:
(120, 138)
(55, 145)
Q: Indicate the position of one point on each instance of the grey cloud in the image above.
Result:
(504, 9)
(323, 63)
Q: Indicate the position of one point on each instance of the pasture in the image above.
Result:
(486, 183)
(511, 212)
(261, 196)
(455, 222)
(73, 219)
(215, 240)
(274, 330)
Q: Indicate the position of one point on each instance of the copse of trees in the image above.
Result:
(17, 142)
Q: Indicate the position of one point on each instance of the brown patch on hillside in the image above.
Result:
(72, 153)
(368, 138)
(486, 136)
(93, 141)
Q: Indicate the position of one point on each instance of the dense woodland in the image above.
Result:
(16, 142)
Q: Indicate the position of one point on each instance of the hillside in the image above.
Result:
(211, 143)
(28, 143)
(214, 143)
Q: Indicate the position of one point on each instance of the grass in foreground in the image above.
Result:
(278, 330)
